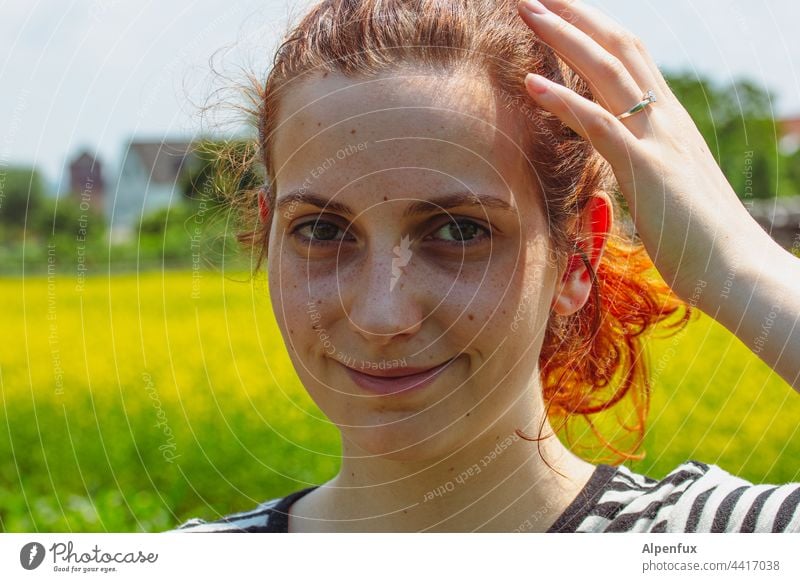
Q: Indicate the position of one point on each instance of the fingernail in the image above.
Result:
(537, 83)
(533, 6)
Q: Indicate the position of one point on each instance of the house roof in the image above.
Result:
(790, 126)
(85, 158)
(163, 160)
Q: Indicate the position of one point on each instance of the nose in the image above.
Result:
(384, 301)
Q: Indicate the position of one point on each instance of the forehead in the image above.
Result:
(409, 132)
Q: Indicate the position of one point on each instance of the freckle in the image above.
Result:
(352, 131)
(471, 317)
(319, 123)
(319, 301)
(325, 75)
(385, 198)
(468, 414)
(451, 468)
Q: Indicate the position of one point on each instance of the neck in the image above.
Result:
(496, 482)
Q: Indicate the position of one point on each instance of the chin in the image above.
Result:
(406, 439)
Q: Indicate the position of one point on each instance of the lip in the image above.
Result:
(386, 382)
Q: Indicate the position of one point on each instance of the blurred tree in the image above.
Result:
(790, 174)
(21, 194)
(191, 232)
(63, 217)
(737, 122)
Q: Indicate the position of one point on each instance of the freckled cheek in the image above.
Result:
(477, 298)
(304, 299)
(291, 272)
(519, 301)
(484, 315)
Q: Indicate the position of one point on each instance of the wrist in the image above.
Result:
(752, 286)
(745, 266)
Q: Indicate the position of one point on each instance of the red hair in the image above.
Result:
(591, 360)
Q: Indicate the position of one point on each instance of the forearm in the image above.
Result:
(757, 297)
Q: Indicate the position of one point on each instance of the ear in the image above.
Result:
(263, 205)
(576, 283)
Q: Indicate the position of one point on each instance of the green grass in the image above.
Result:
(176, 398)
(717, 402)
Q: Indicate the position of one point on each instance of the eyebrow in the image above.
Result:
(420, 207)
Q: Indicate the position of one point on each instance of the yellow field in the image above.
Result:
(137, 401)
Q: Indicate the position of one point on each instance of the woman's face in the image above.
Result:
(406, 234)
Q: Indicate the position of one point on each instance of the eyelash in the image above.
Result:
(312, 241)
(461, 221)
(455, 243)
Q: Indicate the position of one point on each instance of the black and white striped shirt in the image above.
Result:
(694, 497)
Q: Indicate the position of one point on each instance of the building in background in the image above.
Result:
(149, 179)
(789, 135)
(86, 181)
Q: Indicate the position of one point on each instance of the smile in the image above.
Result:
(386, 382)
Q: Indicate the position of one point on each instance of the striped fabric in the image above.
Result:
(694, 497)
(268, 517)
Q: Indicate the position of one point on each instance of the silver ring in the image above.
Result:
(647, 99)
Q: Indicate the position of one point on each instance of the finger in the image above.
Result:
(616, 39)
(610, 81)
(588, 119)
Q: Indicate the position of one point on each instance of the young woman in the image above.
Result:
(450, 274)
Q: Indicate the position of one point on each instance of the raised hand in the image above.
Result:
(690, 220)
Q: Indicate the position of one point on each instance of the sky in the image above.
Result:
(94, 74)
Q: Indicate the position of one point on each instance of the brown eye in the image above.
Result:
(319, 232)
(462, 232)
